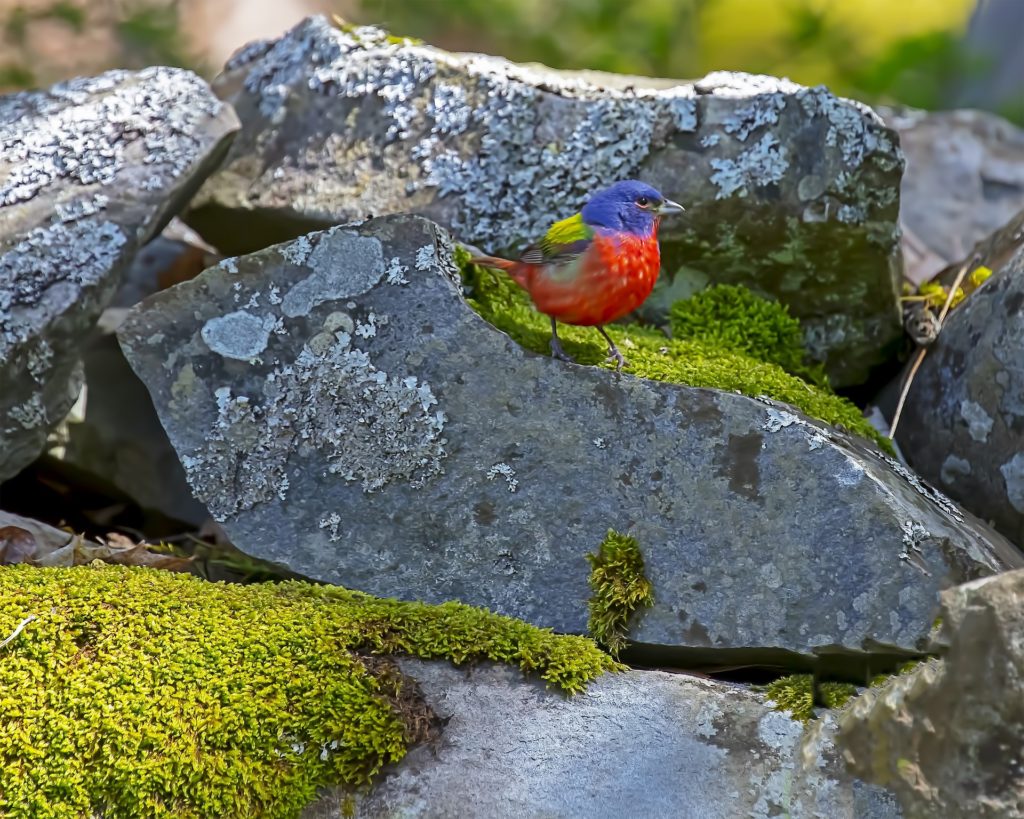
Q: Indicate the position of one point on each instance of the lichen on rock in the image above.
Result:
(141, 692)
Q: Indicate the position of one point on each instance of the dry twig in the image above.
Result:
(922, 351)
(17, 631)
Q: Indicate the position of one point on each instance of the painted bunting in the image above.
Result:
(596, 266)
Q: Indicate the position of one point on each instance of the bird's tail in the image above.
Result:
(517, 270)
(493, 261)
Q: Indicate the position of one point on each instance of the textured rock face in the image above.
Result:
(88, 171)
(963, 423)
(789, 189)
(947, 737)
(340, 409)
(637, 744)
(964, 179)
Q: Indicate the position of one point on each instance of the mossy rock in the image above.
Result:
(795, 694)
(136, 692)
(696, 362)
(619, 587)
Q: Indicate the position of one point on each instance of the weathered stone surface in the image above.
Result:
(947, 737)
(963, 423)
(642, 743)
(88, 171)
(340, 409)
(789, 189)
(964, 179)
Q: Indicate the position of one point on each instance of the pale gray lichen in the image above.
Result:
(1013, 476)
(371, 427)
(919, 486)
(341, 269)
(239, 335)
(81, 131)
(954, 467)
(762, 165)
(979, 422)
(505, 471)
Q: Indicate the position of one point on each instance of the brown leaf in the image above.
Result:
(17, 545)
(116, 549)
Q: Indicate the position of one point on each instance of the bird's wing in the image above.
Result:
(565, 241)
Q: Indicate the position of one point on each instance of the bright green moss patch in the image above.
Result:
(795, 694)
(732, 317)
(697, 363)
(146, 693)
(619, 589)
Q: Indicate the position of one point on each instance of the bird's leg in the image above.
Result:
(613, 351)
(556, 345)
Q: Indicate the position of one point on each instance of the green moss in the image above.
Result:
(795, 694)
(731, 317)
(146, 693)
(619, 589)
(651, 355)
(881, 679)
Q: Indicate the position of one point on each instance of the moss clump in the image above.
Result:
(651, 355)
(145, 693)
(619, 589)
(795, 694)
(732, 317)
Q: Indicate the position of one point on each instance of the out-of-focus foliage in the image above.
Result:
(878, 51)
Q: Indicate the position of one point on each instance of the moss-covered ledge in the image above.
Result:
(703, 359)
(136, 692)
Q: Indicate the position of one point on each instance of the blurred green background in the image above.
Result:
(915, 52)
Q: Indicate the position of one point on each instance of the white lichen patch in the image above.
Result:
(425, 257)
(344, 265)
(778, 419)
(919, 486)
(396, 271)
(1013, 477)
(73, 255)
(369, 427)
(81, 131)
(506, 472)
(759, 166)
(331, 522)
(979, 422)
(239, 335)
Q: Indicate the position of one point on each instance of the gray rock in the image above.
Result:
(790, 190)
(642, 743)
(340, 409)
(88, 171)
(964, 180)
(947, 737)
(963, 422)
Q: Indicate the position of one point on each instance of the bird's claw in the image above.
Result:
(617, 357)
(558, 352)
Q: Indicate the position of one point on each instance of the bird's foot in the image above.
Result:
(617, 357)
(558, 352)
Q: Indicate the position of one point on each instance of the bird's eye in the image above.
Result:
(643, 201)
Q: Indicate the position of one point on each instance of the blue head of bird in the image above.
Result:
(629, 206)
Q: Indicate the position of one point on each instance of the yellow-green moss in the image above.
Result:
(881, 679)
(651, 355)
(619, 589)
(795, 694)
(732, 317)
(144, 693)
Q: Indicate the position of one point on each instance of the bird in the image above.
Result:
(597, 265)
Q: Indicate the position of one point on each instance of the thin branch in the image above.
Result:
(919, 356)
(17, 631)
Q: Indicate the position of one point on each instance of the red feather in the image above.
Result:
(615, 276)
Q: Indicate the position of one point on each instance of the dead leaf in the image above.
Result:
(17, 545)
(117, 549)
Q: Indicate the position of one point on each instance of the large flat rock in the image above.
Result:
(340, 409)
(643, 743)
(89, 170)
(790, 190)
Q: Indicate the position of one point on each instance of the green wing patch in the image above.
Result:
(565, 232)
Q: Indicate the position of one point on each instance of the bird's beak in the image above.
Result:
(668, 206)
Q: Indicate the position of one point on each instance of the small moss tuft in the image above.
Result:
(619, 589)
(795, 694)
(651, 355)
(137, 692)
(732, 317)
